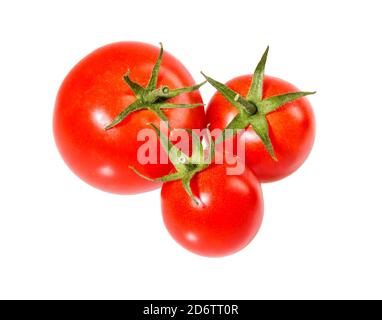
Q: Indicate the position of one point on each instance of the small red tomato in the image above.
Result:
(121, 77)
(278, 121)
(228, 215)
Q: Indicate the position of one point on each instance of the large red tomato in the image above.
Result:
(228, 215)
(291, 128)
(95, 92)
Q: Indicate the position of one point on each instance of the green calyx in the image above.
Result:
(186, 167)
(153, 98)
(253, 108)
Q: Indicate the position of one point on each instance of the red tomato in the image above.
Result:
(228, 217)
(291, 129)
(94, 93)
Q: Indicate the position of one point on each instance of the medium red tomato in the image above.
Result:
(95, 92)
(291, 129)
(276, 121)
(228, 215)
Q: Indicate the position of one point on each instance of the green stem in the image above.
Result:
(186, 167)
(151, 97)
(252, 110)
(154, 95)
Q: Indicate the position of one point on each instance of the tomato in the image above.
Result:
(291, 129)
(228, 215)
(95, 92)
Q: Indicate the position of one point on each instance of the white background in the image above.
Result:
(322, 232)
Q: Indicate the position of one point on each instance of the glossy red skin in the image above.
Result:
(291, 129)
(227, 221)
(94, 93)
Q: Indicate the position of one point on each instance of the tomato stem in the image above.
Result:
(186, 167)
(252, 109)
(153, 98)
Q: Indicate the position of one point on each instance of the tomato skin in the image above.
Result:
(291, 129)
(94, 93)
(228, 219)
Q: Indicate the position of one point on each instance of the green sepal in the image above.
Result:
(273, 103)
(197, 148)
(186, 182)
(255, 92)
(154, 75)
(138, 90)
(232, 96)
(260, 125)
(240, 122)
(174, 153)
(135, 106)
(157, 110)
(211, 149)
(167, 105)
(176, 92)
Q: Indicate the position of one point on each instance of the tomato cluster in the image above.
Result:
(122, 90)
